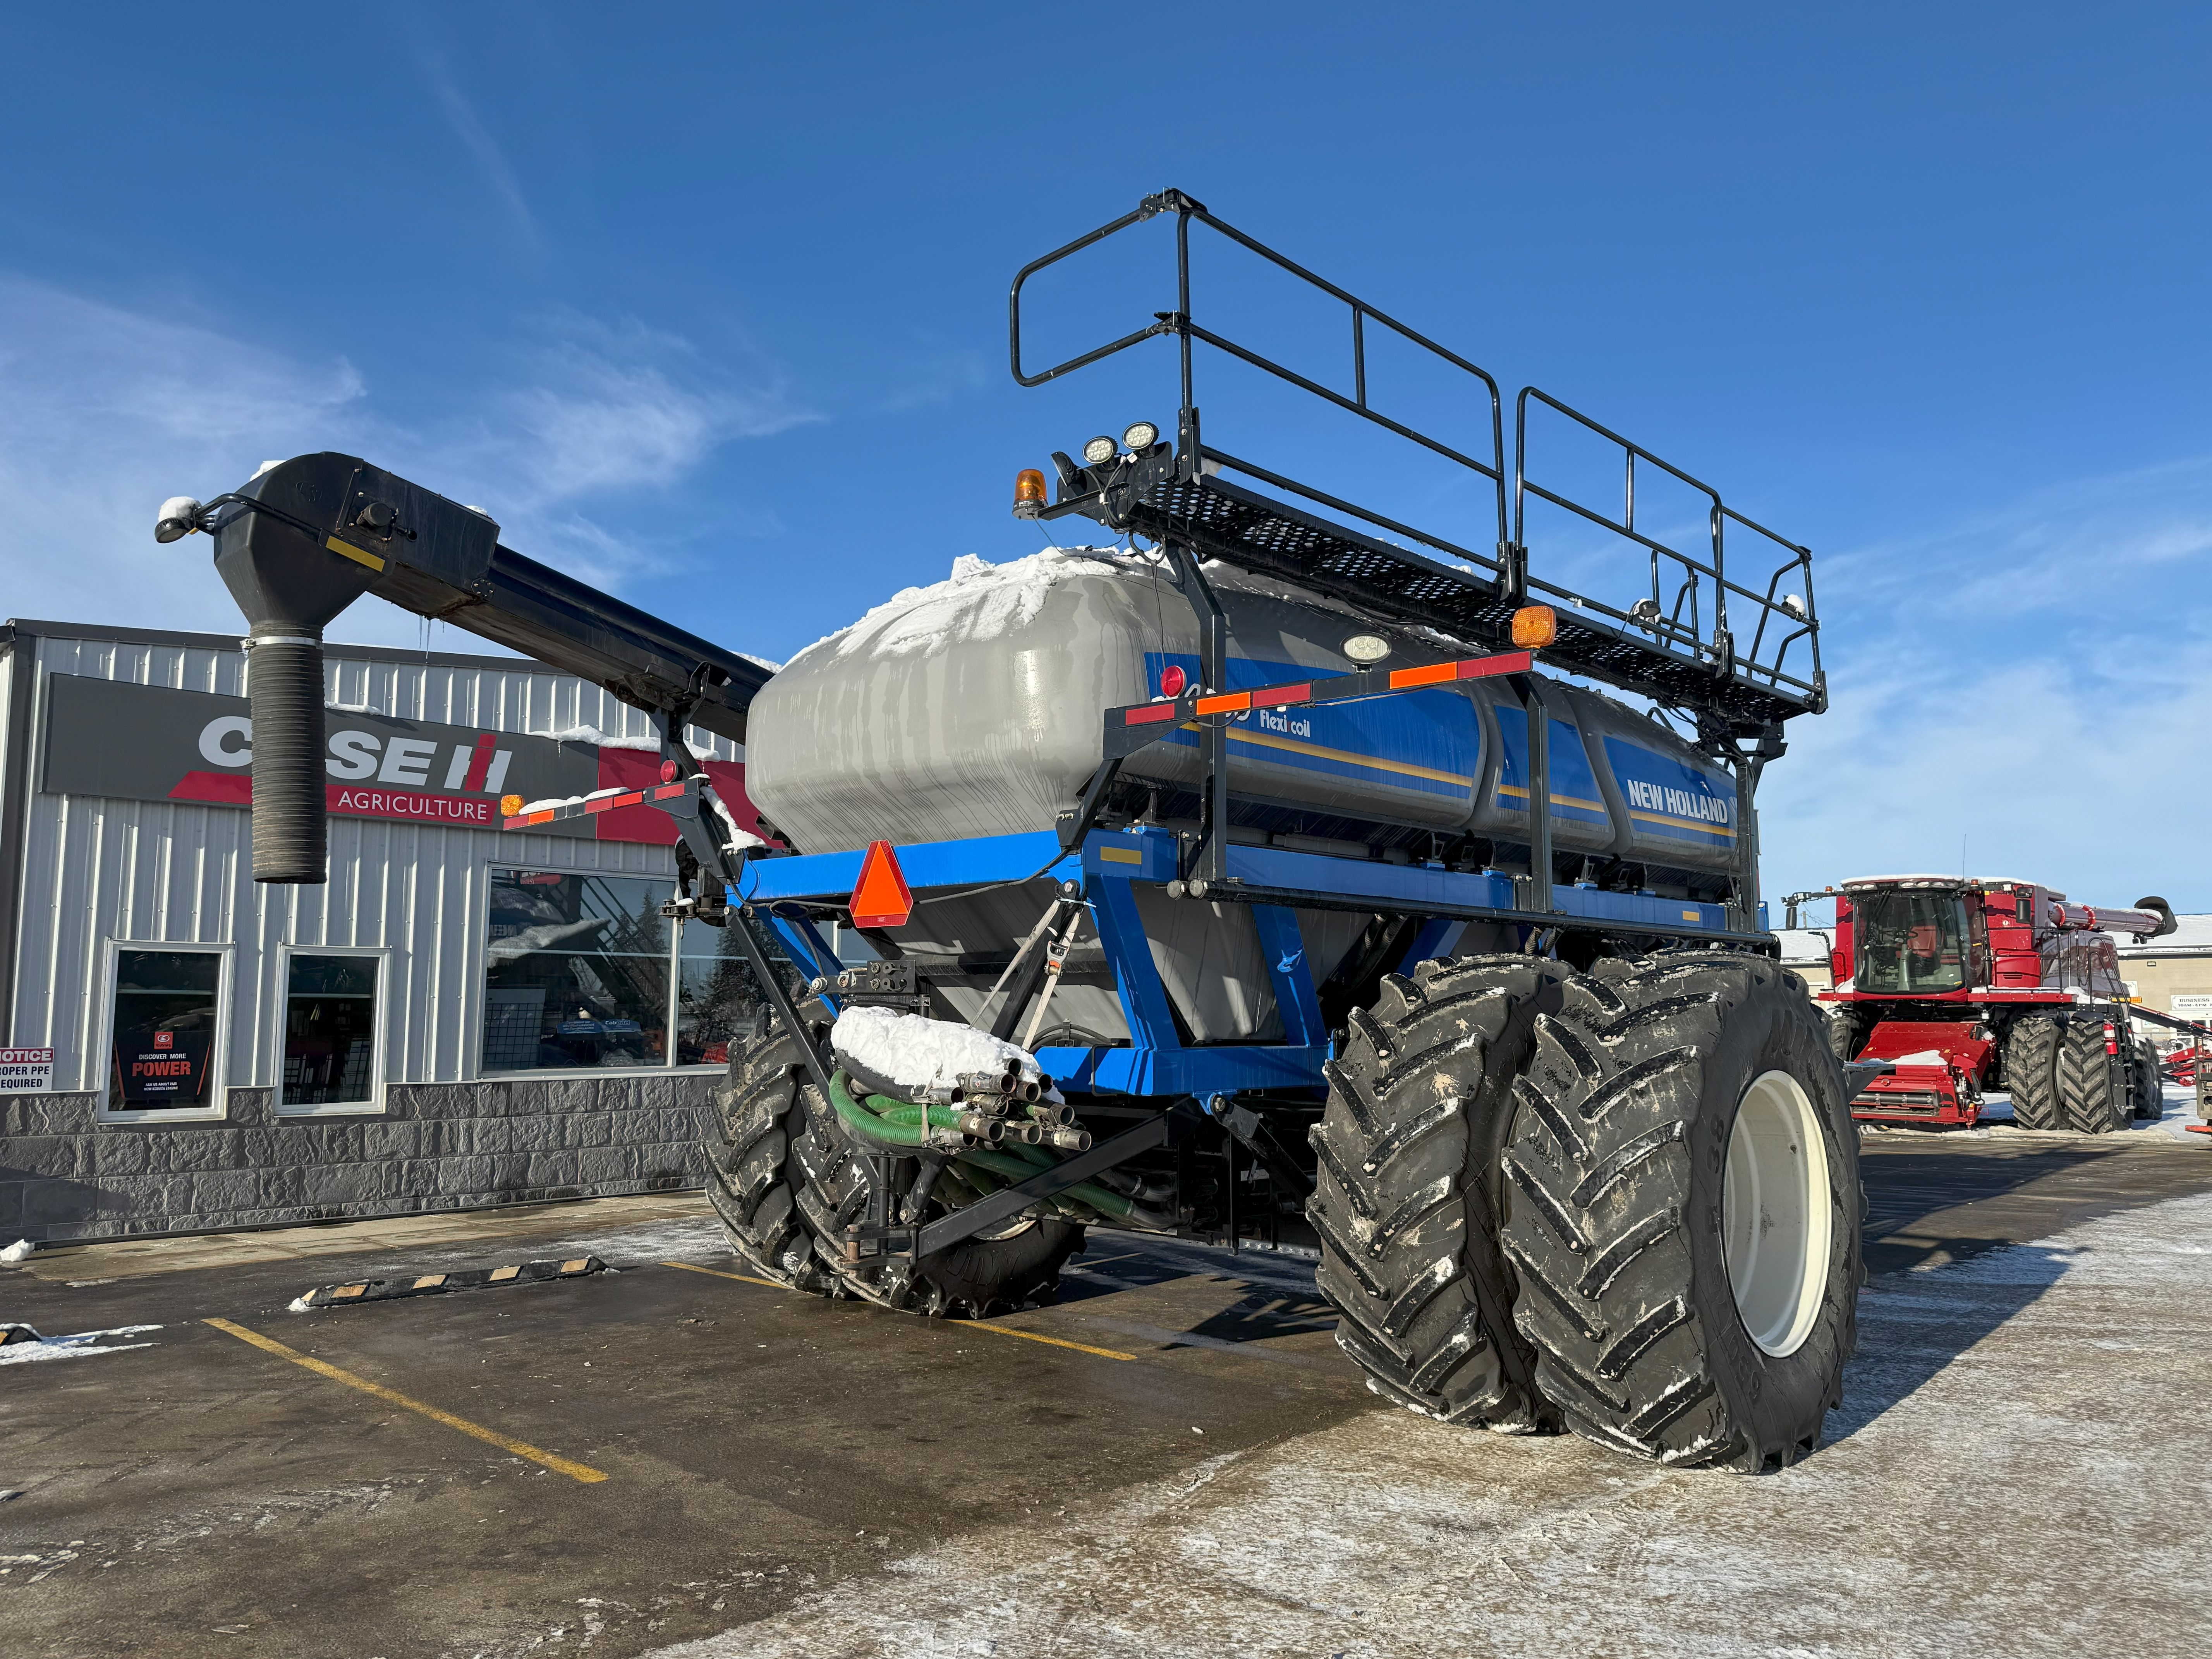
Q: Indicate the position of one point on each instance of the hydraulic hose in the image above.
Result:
(871, 1126)
(907, 1127)
(284, 690)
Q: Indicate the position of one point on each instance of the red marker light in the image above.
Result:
(668, 771)
(1172, 681)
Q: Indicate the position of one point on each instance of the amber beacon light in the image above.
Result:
(1029, 491)
(1535, 626)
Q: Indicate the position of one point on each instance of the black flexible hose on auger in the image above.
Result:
(284, 686)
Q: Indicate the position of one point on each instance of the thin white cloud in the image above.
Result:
(484, 150)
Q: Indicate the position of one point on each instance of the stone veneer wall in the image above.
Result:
(64, 1175)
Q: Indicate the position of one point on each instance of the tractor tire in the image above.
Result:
(1013, 1267)
(1683, 1213)
(2031, 1072)
(2093, 1106)
(785, 1179)
(1406, 1200)
(747, 1132)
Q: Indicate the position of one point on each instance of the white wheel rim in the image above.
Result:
(1776, 1218)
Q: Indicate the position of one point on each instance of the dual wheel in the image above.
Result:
(2061, 1078)
(1625, 1202)
(786, 1179)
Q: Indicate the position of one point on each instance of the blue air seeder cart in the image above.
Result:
(1338, 920)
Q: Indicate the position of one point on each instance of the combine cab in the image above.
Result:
(1966, 984)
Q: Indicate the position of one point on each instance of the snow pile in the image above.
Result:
(646, 745)
(979, 601)
(73, 1347)
(1926, 1057)
(913, 1056)
(19, 1251)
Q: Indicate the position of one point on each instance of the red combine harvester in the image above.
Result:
(1969, 985)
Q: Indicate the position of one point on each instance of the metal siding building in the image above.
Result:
(84, 873)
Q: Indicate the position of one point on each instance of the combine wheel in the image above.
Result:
(786, 1180)
(1406, 1200)
(1683, 1211)
(2150, 1085)
(1846, 1034)
(2031, 1072)
(2093, 1106)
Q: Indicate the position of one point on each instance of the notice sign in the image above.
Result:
(22, 1070)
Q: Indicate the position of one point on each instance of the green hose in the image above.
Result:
(906, 1125)
(871, 1126)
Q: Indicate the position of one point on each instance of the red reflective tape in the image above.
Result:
(1228, 702)
(600, 804)
(533, 817)
(1438, 673)
(1482, 668)
(669, 789)
(631, 800)
(1148, 713)
(1275, 696)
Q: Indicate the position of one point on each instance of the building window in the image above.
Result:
(333, 1036)
(576, 972)
(164, 1019)
(582, 972)
(718, 998)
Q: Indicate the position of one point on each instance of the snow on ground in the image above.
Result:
(79, 1347)
(2009, 1474)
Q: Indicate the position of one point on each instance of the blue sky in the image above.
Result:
(708, 303)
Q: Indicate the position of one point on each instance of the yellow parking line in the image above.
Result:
(574, 1471)
(996, 1330)
(743, 1279)
(1056, 1341)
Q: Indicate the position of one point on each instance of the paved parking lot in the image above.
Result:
(1174, 1459)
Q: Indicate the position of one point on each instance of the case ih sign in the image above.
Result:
(133, 742)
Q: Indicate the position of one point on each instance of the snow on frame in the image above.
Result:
(919, 1054)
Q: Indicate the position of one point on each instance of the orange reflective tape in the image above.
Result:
(1227, 703)
(1439, 673)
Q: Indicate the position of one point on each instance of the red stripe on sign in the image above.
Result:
(1148, 715)
(480, 763)
(230, 789)
(1276, 696)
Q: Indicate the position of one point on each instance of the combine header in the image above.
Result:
(1254, 878)
(1967, 985)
